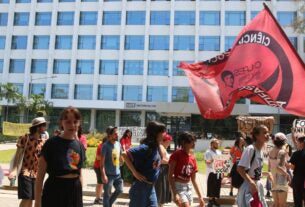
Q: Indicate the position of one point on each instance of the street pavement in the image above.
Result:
(8, 198)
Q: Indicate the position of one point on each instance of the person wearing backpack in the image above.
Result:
(251, 192)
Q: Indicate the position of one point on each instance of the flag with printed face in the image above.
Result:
(262, 66)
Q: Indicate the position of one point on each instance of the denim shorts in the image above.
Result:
(184, 190)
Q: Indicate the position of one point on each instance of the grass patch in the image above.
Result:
(90, 153)
(6, 155)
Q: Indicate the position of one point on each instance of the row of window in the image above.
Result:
(132, 42)
(50, 1)
(232, 18)
(109, 92)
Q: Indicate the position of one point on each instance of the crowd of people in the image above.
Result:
(157, 176)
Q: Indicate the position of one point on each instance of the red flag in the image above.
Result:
(262, 66)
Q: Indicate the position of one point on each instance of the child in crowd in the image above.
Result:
(182, 170)
(62, 157)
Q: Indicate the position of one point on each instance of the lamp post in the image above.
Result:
(30, 88)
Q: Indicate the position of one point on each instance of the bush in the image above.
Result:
(94, 139)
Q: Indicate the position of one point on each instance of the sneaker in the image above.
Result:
(231, 193)
(97, 201)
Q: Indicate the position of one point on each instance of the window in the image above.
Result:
(84, 66)
(158, 42)
(132, 93)
(294, 42)
(209, 43)
(2, 42)
(111, 18)
(43, 18)
(39, 66)
(184, 42)
(19, 87)
(111, 0)
(286, 18)
(253, 14)
(184, 18)
(109, 67)
(61, 66)
(63, 42)
(88, 18)
(134, 42)
(4, 1)
(23, 1)
(235, 18)
(160, 18)
(86, 42)
(89, 0)
(83, 92)
(133, 67)
(1, 65)
(21, 18)
(157, 94)
(177, 71)
(209, 18)
(3, 19)
(19, 42)
(60, 91)
(130, 118)
(44, 1)
(182, 94)
(104, 119)
(135, 18)
(17, 65)
(158, 68)
(38, 88)
(66, 0)
(110, 42)
(229, 41)
(107, 92)
(41, 42)
(65, 18)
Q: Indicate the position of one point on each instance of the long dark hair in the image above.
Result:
(127, 131)
(237, 141)
(153, 128)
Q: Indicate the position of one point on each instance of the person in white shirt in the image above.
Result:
(213, 178)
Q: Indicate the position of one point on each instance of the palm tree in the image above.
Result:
(39, 104)
(22, 105)
(9, 92)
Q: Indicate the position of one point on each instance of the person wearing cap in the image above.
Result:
(162, 185)
(213, 178)
(297, 164)
(278, 160)
(29, 146)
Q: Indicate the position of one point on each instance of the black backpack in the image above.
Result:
(236, 178)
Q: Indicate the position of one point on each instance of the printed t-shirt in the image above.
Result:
(63, 156)
(146, 161)
(255, 170)
(125, 143)
(186, 165)
(97, 162)
(112, 153)
(210, 155)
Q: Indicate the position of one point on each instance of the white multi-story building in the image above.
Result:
(116, 60)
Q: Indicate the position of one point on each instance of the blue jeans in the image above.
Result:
(117, 182)
(142, 194)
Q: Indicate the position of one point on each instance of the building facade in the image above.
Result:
(116, 59)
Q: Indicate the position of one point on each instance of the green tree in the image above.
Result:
(37, 104)
(9, 92)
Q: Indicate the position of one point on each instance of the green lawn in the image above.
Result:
(6, 155)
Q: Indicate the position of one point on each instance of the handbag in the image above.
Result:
(18, 160)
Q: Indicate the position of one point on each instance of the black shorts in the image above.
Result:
(26, 186)
(98, 175)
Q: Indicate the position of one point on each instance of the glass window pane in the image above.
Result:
(286, 18)
(132, 93)
(60, 91)
(38, 88)
(130, 118)
(235, 18)
(135, 18)
(177, 71)
(294, 42)
(160, 18)
(21, 18)
(158, 42)
(44, 1)
(41, 42)
(209, 43)
(23, 1)
(2, 42)
(158, 68)
(4, 1)
(88, 18)
(104, 119)
(66, 0)
(61, 66)
(229, 41)
(19, 42)
(184, 18)
(133, 67)
(1, 65)
(84, 66)
(17, 65)
(109, 67)
(182, 94)
(65, 18)
(107, 92)
(184, 42)
(43, 18)
(157, 94)
(19, 87)
(3, 19)
(110, 42)
(111, 18)
(83, 92)
(39, 66)
(209, 18)
(134, 42)
(253, 14)
(63, 42)
(86, 42)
